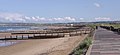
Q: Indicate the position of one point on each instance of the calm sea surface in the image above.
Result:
(7, 43)
(17, 28)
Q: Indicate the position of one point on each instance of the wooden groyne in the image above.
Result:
(55, 33)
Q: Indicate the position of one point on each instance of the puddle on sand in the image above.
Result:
(7, 43)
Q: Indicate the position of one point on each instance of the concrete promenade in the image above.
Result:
(105, 43)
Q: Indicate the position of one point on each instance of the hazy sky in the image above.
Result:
(43, 11)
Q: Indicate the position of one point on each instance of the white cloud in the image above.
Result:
(97, 5)
(57, 19)
(103, 19)
(42, 19)
(64, 19)
(16, 17)
(27, 18)
(69, 19)
(11, 17)
(81, 18)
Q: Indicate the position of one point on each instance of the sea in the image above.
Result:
(19, 28)
(7, 43)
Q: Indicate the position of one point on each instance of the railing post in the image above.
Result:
(96, 27)
(118, 30)
(111, 28)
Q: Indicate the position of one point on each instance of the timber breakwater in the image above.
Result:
(48, 33)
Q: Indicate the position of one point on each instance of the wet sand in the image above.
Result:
(30, 47)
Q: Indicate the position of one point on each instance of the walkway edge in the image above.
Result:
(90, 47)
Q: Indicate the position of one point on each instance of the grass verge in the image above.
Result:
(83, 47)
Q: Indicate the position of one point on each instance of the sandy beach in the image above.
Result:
(55, 46)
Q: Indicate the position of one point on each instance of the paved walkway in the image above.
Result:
(105, 43)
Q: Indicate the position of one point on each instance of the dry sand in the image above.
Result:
(67, 47)
(56, 46)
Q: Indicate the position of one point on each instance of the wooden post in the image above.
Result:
(33, 35)
(45, 34)
(80, 32)
(85, 31)
(118, 30)
(57, 34)
(39, 34)
(5, 37)
(76, 31)
(52, 34)
(96, 27)
(22, 37)
(70, 34)
(16, 37)
(11, 37)
(28, 36)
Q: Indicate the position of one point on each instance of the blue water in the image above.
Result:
(10, 28)
(17, 28)
(6, 43)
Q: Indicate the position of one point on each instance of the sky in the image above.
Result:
(59, 11)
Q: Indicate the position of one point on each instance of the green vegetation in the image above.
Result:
(93, 25)
(114, 25)
(82, 48)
